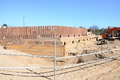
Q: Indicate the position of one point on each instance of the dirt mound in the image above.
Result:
(81, 59)
(17, 61)
(87, 58)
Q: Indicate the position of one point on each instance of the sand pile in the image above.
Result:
(22, 61)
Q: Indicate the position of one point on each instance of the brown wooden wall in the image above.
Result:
(35, 32)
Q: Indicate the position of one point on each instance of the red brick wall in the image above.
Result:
(42, 31)
(70, 31)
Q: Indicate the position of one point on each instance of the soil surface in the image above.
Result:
(103, 70)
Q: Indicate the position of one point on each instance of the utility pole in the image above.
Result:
(23, 21)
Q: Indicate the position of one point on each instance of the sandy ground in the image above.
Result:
(94, 71)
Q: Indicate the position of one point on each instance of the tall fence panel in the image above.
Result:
(42, 31)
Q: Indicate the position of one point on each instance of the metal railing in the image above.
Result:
(56, 58)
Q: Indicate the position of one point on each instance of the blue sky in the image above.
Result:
(74, 13)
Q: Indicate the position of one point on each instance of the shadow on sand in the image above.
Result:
(32, 73)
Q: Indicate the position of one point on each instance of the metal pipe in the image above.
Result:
(54, 59)
(58, 67)
(107, 55)
(26, 67)
(84, 45)
(26, 55)
(87, 62)
(88, 54)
